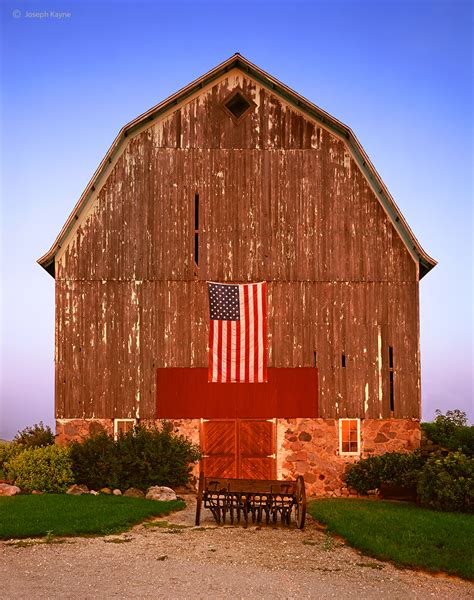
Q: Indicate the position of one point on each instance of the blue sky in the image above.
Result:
(398, 73)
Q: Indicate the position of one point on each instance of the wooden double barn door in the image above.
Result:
(243, 448)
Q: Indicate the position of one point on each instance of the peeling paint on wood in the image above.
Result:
(281, 200)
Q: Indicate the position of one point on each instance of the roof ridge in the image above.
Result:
(426, 262)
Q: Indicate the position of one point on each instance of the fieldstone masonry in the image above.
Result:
(308, 447)
(68, 430)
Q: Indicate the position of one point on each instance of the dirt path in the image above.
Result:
(209, 561)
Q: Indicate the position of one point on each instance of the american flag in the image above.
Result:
(238, 333)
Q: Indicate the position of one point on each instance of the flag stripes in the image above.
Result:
(238, 339)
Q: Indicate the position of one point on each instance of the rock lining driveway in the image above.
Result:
(181, 561)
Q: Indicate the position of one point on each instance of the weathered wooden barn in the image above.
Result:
(237, 178)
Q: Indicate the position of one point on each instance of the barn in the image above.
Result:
(237, 179)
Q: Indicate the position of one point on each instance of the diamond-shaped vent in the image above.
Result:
(238, 105)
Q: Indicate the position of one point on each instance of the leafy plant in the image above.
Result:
(7, 452)
(94, 461)
(155, 457)
(397, 468)
(451, 431)
(364, 475)
(447, 483)
(47, 469)
(139, 458)
(35, 436)
(452, 418)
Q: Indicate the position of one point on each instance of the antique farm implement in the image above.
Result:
(259, 501)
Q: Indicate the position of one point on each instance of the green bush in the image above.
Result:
(139, 458)
(364, 475)
(94, 461)
(35, 436)
(31, 437)
(7, 452)
(155, 457)
(447, 483)
(450, 431)
(397, 468)
(47, 469)
(401, 468)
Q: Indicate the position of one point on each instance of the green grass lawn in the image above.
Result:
(63, 514)
(402, 533)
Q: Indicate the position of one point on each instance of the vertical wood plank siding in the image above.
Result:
(281, 200)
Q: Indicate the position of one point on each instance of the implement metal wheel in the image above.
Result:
(199, 498)
(300, 499)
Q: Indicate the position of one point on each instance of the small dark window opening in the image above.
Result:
(237, 105)
(196, 229)
(391, 374)
(343, 361)
(315, 359)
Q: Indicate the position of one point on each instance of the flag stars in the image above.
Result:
(224, 302)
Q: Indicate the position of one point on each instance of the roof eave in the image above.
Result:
(238, 61)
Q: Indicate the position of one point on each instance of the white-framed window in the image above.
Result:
(349, 437)
(122, 426)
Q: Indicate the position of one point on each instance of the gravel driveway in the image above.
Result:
(224, 562)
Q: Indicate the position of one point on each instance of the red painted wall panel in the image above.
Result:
(186, 394)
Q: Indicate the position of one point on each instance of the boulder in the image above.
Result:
(77, 490)
(9, 490)
(36, 492)
(160, 492)
(94, 493)
(134, 493)
(117, 492)
(106, 490)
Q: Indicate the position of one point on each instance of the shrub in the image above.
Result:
(47, 469)
(451, 431)
(139, 458)
(401, 468)
(35, 436)
(452, 418)
(94, 461)
(364, 475)
(397, 468)
(154, 457)
(7, 452)
(447, 483)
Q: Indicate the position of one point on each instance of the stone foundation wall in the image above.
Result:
(190, 428)
(308, 447)
(68, 430)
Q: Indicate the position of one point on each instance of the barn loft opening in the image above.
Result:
(238, 105)
(196, 229)
(390, 370)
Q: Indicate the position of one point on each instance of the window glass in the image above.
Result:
(122, 426)
(349, 436)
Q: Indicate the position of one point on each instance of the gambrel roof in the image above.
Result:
(237, 61)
